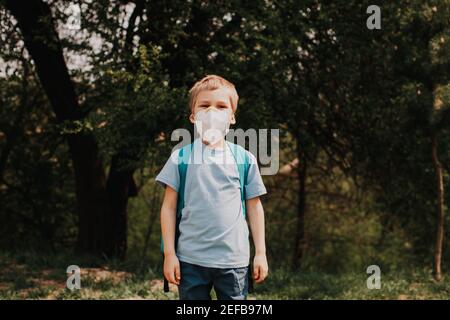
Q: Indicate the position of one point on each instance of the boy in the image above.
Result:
(213, 244)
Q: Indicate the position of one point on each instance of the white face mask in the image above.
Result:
(212, 124)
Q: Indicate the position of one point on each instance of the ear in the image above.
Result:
(192, 117)
(232, 118)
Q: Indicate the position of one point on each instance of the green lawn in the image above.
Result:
(33, 276)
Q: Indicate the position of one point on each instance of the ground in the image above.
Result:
(40, 277)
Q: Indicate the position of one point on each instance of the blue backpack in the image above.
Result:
(243, 163)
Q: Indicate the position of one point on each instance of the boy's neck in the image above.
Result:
(217, 145)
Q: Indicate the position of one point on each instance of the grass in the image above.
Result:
(418, 285)
(36, 276)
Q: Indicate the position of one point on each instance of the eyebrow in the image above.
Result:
(207, 101)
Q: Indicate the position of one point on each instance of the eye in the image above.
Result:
(223, 107)
(203, 106)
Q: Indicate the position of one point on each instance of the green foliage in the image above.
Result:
(36, 182)
(130, 111)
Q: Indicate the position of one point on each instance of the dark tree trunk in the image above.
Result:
(102, 216)
(299, 240)
(440, 209)
(120, 187)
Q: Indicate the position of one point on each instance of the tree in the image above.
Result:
(101, 201)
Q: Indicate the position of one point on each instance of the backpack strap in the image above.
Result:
(243, 163)
(183, 160)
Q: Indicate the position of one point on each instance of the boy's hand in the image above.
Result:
(260, 268)
(172, 269)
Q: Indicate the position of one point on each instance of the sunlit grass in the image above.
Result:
(31, 276)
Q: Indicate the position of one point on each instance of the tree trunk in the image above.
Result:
(120, 187)
(101, 210)
(301, 208)
(440, 209)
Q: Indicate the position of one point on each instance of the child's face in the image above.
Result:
(218, 98)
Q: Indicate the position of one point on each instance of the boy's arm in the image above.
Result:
(255, 214)
(168, 221)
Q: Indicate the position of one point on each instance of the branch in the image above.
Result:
(137, 12)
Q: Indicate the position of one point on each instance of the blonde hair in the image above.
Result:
(212, 82)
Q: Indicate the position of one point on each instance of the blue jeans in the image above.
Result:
(197, 281)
